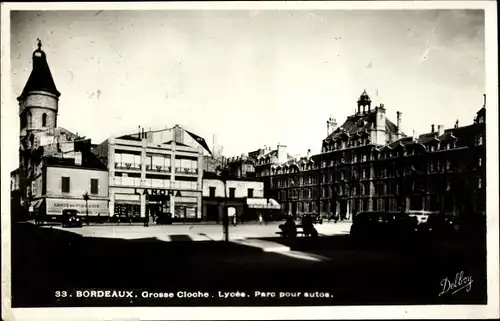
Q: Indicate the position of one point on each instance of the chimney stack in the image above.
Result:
(432, 128)
(138, 131)
(456, 124)
(308, 153)
(440, 130)
(484, 100)
(331, 125)
(398, 120)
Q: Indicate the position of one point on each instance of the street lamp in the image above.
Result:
(225, 219)
(86, 198)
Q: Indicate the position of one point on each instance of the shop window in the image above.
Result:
(232, 192)
(65, 184)
(94, 186)
(250, 192)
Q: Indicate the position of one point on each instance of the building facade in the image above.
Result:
(62, 183)
(155, 172)
(42, 141)
(334, 181)
(368, 164)
(243, 196)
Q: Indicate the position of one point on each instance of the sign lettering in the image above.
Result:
(162, 192)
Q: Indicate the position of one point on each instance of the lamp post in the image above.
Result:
(86, 198)
(225, 219)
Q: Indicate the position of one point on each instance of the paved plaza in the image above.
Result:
(191, 257)
(195, 232)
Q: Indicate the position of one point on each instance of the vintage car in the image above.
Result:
(70, 218)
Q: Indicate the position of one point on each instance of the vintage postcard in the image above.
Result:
(249, 160)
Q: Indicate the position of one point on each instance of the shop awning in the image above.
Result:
(263, 203)
(35, 205)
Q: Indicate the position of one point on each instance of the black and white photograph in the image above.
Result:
(321, 159)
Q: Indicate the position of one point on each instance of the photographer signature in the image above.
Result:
(461, 282)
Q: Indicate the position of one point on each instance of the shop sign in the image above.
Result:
(162, 192)
(56, 206)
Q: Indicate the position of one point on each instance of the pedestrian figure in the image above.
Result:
(146, 220)
(261, 219)
(234, 220)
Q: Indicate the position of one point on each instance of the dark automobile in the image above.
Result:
(70, 218)
(382, 226)
(164, 219)
(316, 219)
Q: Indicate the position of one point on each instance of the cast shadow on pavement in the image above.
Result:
(47, 259)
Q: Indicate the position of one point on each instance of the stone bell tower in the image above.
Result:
(38, 107)
(38, 102)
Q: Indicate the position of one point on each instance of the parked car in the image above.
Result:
(70, 218)
(382, 226)
(421, 216)
(317, 219)
(164, 218)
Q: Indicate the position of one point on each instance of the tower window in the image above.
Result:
(29, 119)
(44, 120)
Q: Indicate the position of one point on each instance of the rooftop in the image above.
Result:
(40, 77)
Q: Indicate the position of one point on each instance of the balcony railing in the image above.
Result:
(159, 168)
(128, 166)
(138, 167)
(153, 183)
(183, 170)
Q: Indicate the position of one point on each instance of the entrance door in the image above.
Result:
(294, 208)
(212, 213)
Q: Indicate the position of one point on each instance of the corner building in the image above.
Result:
(155, 172)
(55, 168)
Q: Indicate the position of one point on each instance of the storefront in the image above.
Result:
(267, 207)
(138, 203)
(53, 207)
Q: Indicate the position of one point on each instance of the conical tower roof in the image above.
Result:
(40, 78)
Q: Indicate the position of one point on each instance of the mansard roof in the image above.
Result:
(359, 123)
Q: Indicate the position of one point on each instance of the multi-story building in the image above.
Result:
(241, 166)
(40, 138)
(244, 196)
(79, 182)
(368, 164)
(336, 180)
(155, 171)
(434, 171)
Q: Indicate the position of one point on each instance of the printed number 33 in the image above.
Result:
(61, 294)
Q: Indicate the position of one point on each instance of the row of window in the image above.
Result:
(433, 166)
(232, 192)
(155, 163)
(66, 185)
(354, 157)
(154, 183)
(160, 162)
(28, 121)
(379, 188)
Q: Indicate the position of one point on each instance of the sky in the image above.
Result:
(253, 78)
